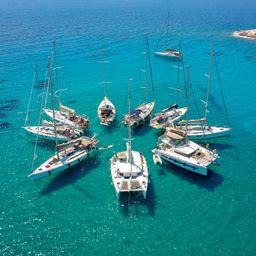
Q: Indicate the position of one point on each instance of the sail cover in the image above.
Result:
(67, 109)
(170, 107)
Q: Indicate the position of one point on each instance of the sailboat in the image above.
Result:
(198, 129)
(175, 147)
(46, 130)
(168, 52)
(67, 154)
(106, 109)
(141, 113)
(65, 115)
(172, 113)
(129, 169)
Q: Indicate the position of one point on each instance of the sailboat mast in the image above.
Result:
(129, 119)
(167, 31)
(209, 86)
(146, 72)
(187, 99)
(129, 130)
(104, 70)
(56, 71)
(52, 99)
(178, 78)
(150, 67)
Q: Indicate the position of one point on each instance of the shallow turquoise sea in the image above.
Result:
(77, 212)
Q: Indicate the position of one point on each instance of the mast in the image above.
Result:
(167, 30)
(52, 99)
(129, 119)
(146, 72)
(129, 129)
(150, 66)
(56, 71)
(209, 86)
(104, 70)
(178, 78)
(187, 101)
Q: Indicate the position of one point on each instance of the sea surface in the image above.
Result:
(77, 212)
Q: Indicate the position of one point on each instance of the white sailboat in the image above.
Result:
(198, 129)
(106, 109)
(65, 115)
(129, 169)
(168, 52)
(142, 113)
(174, 147)
(64, 132)
(171, 114)
(67, 154)
(46, 130)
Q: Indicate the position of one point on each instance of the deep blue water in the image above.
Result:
(77, 212)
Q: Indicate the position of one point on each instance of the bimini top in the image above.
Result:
(67, 109)
(135, 112)
(175, 134)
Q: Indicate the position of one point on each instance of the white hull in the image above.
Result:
(106, 104)
(128, 177)
(45, 133)
(71, 153)
(63, 117)
(169, 54)
(146, 110)
(197, 132)
(176, 149)
(181, 163)
(169, 117)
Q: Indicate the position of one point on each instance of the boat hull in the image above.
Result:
(168, 56)
(209, 134)
(64, 166)
(181, 163)
(32, 131)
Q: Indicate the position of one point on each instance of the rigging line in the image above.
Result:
(222, 94)
(30, 95)
(38, 124)
(162, 34)
(150, 67)
(56, 70)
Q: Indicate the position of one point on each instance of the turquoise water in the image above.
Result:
(77, 212)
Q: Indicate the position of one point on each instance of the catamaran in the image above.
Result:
(198, 129)
(67, 154)
(142, 113)
(168, 52)
(106, 109)
(129, 169)
(65, 115)
(175, 147)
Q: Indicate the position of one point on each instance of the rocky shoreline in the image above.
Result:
(249, 34)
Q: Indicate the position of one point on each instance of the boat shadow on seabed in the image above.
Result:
(134, 204)
(71, 175)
